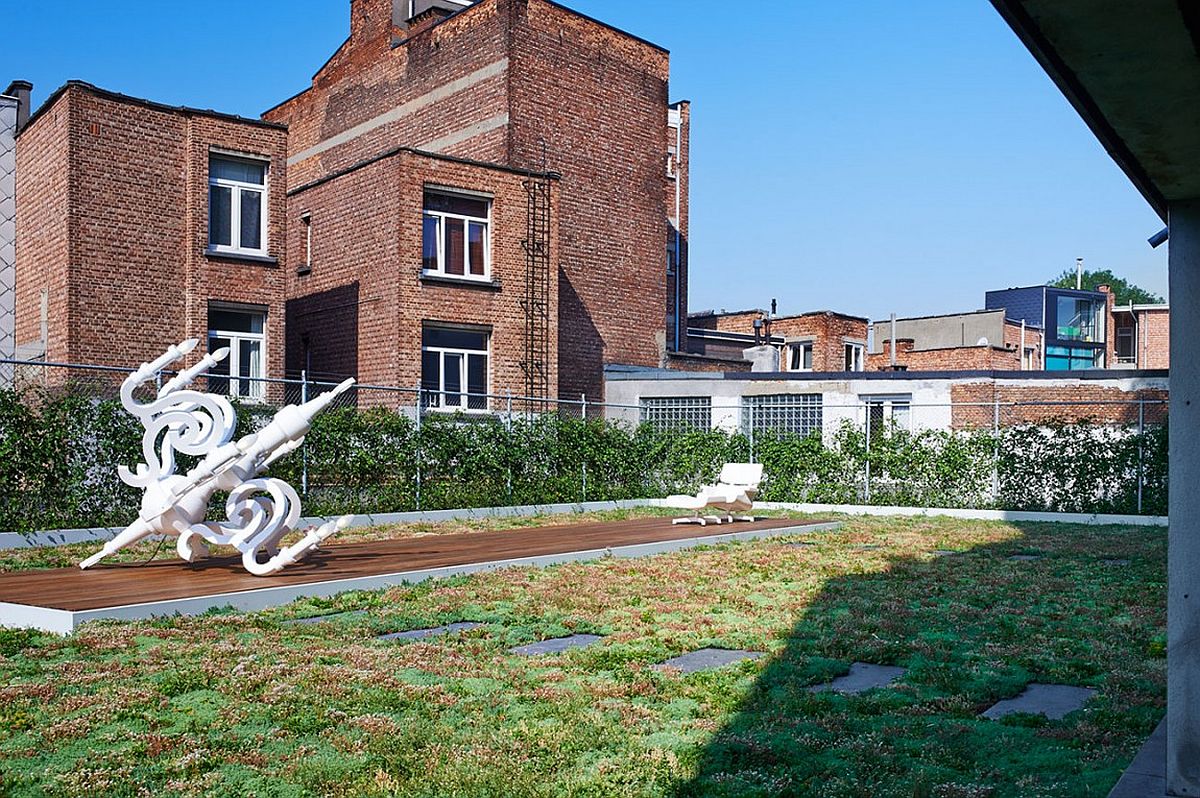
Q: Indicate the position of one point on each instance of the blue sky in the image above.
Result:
(868, 157)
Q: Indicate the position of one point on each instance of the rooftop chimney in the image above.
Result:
(20, 90)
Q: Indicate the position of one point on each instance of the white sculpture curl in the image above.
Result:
(260, 511)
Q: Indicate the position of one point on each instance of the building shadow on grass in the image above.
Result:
(971, 628)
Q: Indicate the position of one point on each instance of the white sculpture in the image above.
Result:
(260, 511)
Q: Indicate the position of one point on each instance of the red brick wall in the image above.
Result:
(367, 77)
(581, 99)
(1065, 402)
(1154, 339)
(680, 361)
(956, 358)
(137, 215)
(830, 332)
(598, 100)
(362, 305)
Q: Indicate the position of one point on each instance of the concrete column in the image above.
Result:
(1183, 567)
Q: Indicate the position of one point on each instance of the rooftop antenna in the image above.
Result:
(1079, 274)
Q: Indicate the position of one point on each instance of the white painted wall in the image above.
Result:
(843, 398)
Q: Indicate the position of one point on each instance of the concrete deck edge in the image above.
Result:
(1096, 519)
(60, 537)
(65, 621)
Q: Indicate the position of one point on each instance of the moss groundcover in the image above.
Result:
(237, 704)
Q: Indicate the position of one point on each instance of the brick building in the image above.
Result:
(140, 224)
(441, 121)
(983, 340)
(1141, 334)
(478, 197)
(822, 341)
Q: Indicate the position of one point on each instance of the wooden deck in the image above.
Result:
(106, 586)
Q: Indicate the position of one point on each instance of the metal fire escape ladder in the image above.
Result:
(536, 302)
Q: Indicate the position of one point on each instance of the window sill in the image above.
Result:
(461, 282)
(244, 257)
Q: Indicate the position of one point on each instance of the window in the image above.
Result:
(886, 412)
(1127, 345)
(1080, 319)
(237, 205)
(306, 220)
(454, 368)
(1068, 358)
(854, 357)
(800, 356)
(796, 413)
(243, 331)
(1028, 359)
(678, 412)
(455, 238)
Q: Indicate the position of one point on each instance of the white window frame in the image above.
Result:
(801, 345)
(257, 387)
(888, 402)
(857, 362)
(436, 402)
(235, 205)
(442, 216)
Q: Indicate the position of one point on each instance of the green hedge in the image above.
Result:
(58, 459)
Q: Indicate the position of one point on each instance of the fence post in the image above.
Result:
(867, 456)
(753, 426)
(304, 443)
(417, 448)
(583, 417)
(1141, 450)
(508, 445)
(996, 451)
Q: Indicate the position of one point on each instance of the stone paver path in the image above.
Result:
(421, 634)
(556, 645)
(1055, 701)
(336, 617)
(863, 676)
(707, 658)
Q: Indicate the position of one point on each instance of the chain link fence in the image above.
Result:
(400, 448)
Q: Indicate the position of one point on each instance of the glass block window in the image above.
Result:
(797, 413)
(678, 412)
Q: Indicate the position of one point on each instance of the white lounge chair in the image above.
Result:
(734, 492)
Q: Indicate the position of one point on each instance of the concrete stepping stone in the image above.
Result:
(556, 645)
(863, 676)
(708, 658)
(1025, 557)
(421, 634)
(944, 553)
(1055, 701)
(334, 618)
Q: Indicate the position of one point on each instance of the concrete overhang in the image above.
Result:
(1132, 71)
